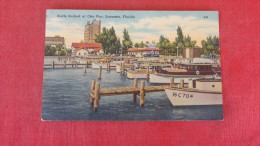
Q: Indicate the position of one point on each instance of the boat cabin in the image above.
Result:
(196, 67)
(187, 69)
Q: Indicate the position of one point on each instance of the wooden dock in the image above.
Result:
(129, 90)
(65, 65)
(96, 92)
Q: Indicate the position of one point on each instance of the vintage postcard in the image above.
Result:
(132, 65)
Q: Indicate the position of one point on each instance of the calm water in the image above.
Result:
(66, 97)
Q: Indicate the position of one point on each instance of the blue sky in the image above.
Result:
(145, 26)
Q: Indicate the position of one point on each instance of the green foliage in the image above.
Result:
(187, 42)
(55, 50)
(126, 42)
(140, 45)
(183, 41)
(179, 39)
(167, 47)
(62, 53)
(210, 45)
(109, 41)
(49, 50)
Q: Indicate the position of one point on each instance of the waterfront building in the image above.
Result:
(56, 40)
(86, 49)
(191, 52)
(91, 30)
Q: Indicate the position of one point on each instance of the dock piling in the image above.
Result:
(142, 94)
(108, 66)
(92, 89)
(171, 82)
(100, 72)
(65, 65)
(136, 86)
(53, 65)
(148, 74)
(85, 69)
(182, 83)
(123, 68)
(96, 96)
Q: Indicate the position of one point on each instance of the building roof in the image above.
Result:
(96, 50)
(86, 45)
(142, 49)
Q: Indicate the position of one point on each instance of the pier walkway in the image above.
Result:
(64, 65)
(129, 90)
(96, 92)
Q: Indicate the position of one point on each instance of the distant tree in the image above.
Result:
(180, 38)
(167, 47)
(210, 45)
(136, 45)
(62, 53)
(49, 50)
(140, 45)
(188, 42)
(109, 41)
(126, 42)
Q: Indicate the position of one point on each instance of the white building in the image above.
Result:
(86, 49)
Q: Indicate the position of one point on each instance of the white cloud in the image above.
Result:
(152, 27)
(72, 32)
(146, 29)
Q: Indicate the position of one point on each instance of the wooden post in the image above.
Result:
(148, 74)
(65, 65)
(171, 82)
(142, 94)
(92, 89)
(109, 66)
(53, 65)
(76, 64)
(96, 98)
(136, 86)
(123, 68)
(85, 69)
(100, 72)
(181, 83)
(87, 64)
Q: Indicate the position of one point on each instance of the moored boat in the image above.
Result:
(183, 71)
(104, 62)
(137, 74)
(206, 91)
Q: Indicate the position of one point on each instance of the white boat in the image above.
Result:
(200, 92)
(137, 74)
(183, 71)
(97, 65)
(127, 67)
(143, 73)
(104, 64)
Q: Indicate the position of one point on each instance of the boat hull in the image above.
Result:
(189, 97)
(97, 65)
(163, 78)
(132, 75)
